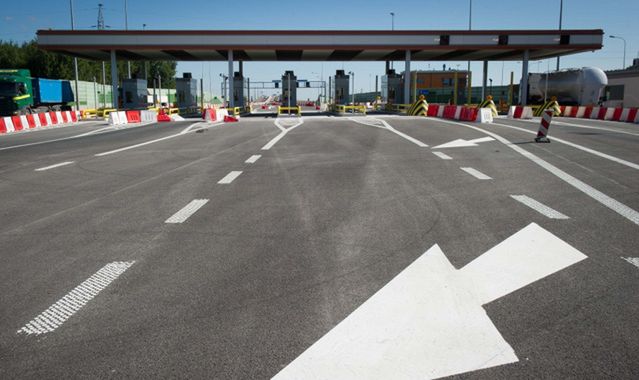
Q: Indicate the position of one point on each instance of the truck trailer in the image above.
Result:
(21, 94)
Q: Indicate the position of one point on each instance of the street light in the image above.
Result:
(624, 49)
(126, 27)
(561, 14)
(392, 14)
(75, 62)
(470, 27)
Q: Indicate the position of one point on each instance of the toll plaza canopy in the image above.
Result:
(320, 45)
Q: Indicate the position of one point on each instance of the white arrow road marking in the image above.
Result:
(539, 207)
(428, 322)
(632, 260)
(460, 143)
(253, 159)
(476, 173)
(59, 312)
(187, 211)
(442, 155)
(54, 166)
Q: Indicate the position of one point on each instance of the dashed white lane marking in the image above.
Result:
(442, 155)
(253, 159)
(475, 173)
(187, 211)
(229, 177)
(539, 207)
(632, 260)
(54, 166)
(283, 133)
(595, 194)
(580, 147)
(59, 312)
(428, 321)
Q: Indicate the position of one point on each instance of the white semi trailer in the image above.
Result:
(583, 86)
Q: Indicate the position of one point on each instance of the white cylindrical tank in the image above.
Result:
(583, 86)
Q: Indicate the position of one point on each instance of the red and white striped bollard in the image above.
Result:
(542, 134)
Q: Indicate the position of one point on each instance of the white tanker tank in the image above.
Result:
(583, 86)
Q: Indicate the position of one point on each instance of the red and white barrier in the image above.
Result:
(10, 124)
(520, 112)
(214, 114)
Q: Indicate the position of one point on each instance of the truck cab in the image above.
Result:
(16, 92)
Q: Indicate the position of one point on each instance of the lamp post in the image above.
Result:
(624, 50)
(353, 94)
(561, 14)
(470, 27)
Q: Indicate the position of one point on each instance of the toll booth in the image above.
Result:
(238, 89)
(186, 91)
(134, 94)
(340, 90)
(289, 89)
(392, 88)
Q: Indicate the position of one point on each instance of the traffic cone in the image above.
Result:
(542, 134)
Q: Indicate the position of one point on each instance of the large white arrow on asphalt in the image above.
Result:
(460, 143)
(428, 322)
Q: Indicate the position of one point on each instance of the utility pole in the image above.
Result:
(75, 63)
(470, 27)
(100, 26)
(126, 27)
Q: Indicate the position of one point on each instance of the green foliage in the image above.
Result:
(44, 64)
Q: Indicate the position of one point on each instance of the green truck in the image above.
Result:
(21, 94)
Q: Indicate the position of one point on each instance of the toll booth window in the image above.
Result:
(7, 88)
(22, 90)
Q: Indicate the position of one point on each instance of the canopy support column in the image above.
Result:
(524, 79)
(407, 79)
(114, 80)
(231, 84)
(484, 82)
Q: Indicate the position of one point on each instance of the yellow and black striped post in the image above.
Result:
(552, 104)
(419, 108)
(488, 103)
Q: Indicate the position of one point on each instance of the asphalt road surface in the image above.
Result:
(321, 247)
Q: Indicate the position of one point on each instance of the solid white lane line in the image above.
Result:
(278, 125)
(253, 159)
(55, 166)
(594, 127)
(580, 147)
(475, 173)
(539, 207)
(187, 211)
(185, 131)
(595, 194)
(277, 138)
(632, 260)
(407, 137)
(229, 177)
(72, 302)
(442, 155)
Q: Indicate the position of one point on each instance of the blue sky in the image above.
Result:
(20, 21)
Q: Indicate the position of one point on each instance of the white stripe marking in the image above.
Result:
(475, 173)
(581, 147)
(277, 138)
(595, 194)
(370, 122)
(59, 312)
(253, 159)
(442, 155)
(539, 207)
(229, 177)
(55, 166)
(187, 211)
(632, 260)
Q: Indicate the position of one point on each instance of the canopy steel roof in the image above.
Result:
(320, 45)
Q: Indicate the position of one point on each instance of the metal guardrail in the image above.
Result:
(295, 109)
(401, 108)
(105, 112)
(88, 113)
